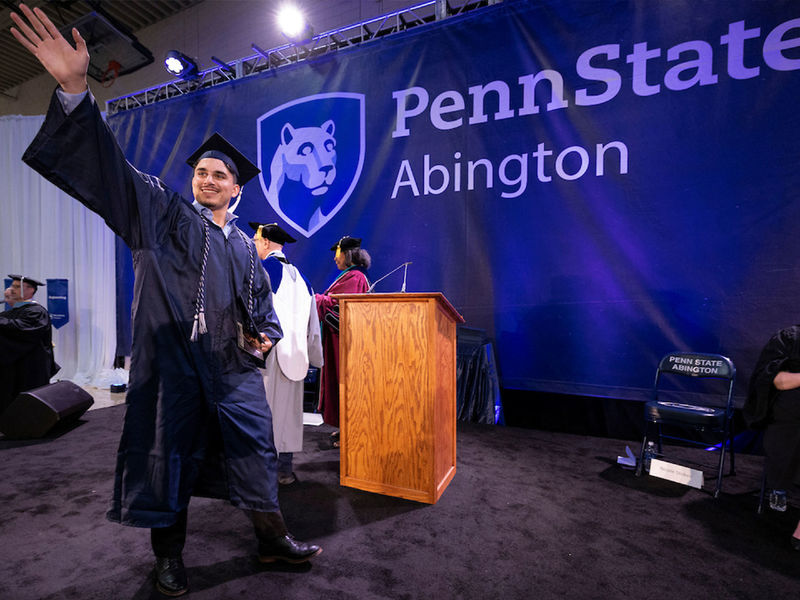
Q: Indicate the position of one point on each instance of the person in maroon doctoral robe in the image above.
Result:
(353, 261)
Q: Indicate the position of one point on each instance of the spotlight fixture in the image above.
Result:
(178, 64)
(293, 25)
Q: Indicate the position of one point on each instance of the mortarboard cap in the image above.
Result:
(273, 232)
(218, 147)
(28, 280)
(347, 243)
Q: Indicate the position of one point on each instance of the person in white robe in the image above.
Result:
(286, 367)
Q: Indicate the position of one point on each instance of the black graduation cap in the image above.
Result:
(347, 243)
(218, 147)
(272, 231)
(27, 280)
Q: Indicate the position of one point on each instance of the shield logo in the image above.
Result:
(311, 152)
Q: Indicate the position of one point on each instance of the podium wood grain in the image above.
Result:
(397, 387)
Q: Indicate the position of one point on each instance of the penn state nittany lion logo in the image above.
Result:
(306, 154)
(311, 152)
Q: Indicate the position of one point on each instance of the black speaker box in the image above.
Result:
(34, 413)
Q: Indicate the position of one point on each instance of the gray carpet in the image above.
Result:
(530, 514)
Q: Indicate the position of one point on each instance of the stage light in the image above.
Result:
(180, 65)
(292, 23)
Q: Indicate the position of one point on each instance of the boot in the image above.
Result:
(276, 543)
(171, 576)
(168, 545)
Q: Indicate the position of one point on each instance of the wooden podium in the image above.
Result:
(397, 393)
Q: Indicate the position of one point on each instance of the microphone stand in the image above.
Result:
(405, 264)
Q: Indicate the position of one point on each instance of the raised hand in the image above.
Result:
(66, 64)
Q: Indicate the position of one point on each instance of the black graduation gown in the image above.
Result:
(197, 420)
(776, 411)
(26, 350)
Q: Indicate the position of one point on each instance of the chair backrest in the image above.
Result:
(693, 364)
(698, 365)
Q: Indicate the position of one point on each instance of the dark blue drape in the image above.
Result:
(594, 183)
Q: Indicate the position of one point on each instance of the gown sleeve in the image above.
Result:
(21, 330)
(314, 339)
(781, 353)
(79, 154)
(24, 324)
(352, 282)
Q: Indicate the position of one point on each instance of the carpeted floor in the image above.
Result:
(530, 514)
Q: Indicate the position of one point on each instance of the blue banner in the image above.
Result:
(58, 301)
(595, 183)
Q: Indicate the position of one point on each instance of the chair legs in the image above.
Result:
(727, 444)
(726, 447)
(640, 462)
(763, 492)
(720, 469)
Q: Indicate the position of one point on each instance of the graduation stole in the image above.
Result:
(199, 326)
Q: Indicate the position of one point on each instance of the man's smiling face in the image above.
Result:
(213, 185)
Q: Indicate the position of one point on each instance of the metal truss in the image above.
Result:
(292, 53)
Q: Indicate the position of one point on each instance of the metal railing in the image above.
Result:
(291, 53)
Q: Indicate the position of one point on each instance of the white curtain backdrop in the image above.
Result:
(46, 234)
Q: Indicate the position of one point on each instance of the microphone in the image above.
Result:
(405, 264)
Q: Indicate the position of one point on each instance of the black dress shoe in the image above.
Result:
(287, 478)
(171, 576)
(287, 549)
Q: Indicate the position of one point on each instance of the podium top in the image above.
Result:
(405, 296)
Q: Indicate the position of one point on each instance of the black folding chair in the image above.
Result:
(710, 411)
